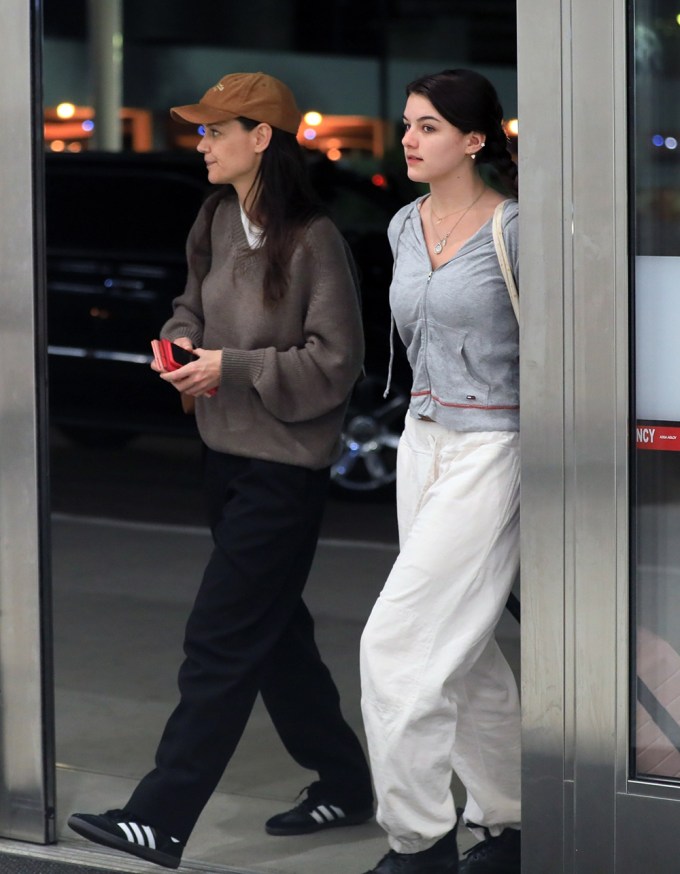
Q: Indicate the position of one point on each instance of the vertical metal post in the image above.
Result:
(26, 710)
(105, 24)
(600, 346)
(543, 111)
(574, 431)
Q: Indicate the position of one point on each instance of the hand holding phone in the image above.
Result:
(169, 356)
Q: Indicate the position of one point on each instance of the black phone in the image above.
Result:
(181, 356)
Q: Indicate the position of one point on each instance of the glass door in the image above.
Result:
(655, 269)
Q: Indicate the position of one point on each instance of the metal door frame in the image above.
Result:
(27, 782)
(581, 812)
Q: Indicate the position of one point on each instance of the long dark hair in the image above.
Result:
(467, 100)
(284, 203)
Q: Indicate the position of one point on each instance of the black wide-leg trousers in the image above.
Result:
(248, 632)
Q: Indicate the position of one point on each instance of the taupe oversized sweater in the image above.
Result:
(288, 368)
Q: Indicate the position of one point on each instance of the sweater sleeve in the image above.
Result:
(187, 319)
(304, 382)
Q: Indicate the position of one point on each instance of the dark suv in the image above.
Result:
(116, 226)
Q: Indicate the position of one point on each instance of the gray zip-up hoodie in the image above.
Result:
(458, 325)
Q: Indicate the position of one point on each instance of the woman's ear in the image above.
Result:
(476, 141)
(263, 136)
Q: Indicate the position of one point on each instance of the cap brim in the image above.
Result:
(198, 113)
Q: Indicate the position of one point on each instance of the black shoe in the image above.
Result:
(442, 858)
(119, 830)
(501, 855)
(316, 812)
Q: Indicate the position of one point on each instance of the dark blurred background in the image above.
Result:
(468, 31)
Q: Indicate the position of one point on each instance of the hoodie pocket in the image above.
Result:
(450, 364)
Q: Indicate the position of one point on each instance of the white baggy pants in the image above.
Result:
(437, 693)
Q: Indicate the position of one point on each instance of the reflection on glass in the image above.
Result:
(655, 683)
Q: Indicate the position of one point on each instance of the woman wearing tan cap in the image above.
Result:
(271, 311)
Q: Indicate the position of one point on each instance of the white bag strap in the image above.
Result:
(503, 259)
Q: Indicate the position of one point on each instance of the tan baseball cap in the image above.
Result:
(250, 95)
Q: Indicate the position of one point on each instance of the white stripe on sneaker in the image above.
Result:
(123, 826)
(323, 814)
(136, 830)
(138, 834)
(149, 836)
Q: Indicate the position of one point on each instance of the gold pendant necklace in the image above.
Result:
(439, 245)
(440, 219)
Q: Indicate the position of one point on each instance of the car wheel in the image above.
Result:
(367, 467)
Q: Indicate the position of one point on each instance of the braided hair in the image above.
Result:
(467, 100)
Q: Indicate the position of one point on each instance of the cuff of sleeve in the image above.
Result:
(196, 339)
(241, 367)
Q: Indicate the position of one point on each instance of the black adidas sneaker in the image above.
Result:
(316, 812)
(441, 858)
(116, 829)
(500, 855)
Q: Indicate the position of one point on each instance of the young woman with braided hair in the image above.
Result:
(438, 696)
